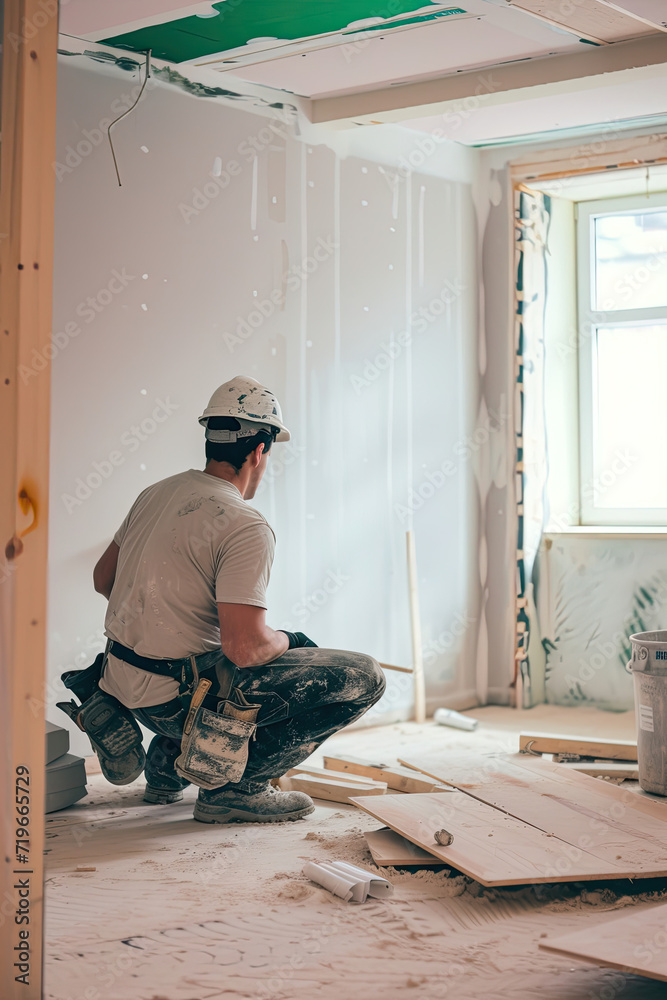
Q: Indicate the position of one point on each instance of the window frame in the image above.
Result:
(589, 320)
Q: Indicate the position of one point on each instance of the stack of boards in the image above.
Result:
(65, 773)
(515, 819)
(518, 819)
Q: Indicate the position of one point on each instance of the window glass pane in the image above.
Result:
(630, 418)
(630, 260)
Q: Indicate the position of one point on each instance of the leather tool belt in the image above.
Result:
(220, 722)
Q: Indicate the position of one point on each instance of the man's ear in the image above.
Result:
(257, 454)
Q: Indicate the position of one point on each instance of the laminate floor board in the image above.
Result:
(635, 943)
(620, 827)
(489, 845)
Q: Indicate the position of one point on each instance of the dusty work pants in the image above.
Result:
(306, 695)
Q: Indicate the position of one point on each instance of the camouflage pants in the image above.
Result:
(305, 696)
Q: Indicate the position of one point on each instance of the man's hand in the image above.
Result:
(297, 640)
(245, 637)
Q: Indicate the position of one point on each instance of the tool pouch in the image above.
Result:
(111, 727)
(214, 748)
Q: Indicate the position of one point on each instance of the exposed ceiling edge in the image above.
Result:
(572, 132)
(597, 66)
(252, 97)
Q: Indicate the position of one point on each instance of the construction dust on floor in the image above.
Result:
(143, 903)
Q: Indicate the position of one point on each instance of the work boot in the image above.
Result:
(262, 803)
(163, 785)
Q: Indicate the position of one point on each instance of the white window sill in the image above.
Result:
(611, 530)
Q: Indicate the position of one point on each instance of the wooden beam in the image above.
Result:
(584, 746)
(514, 81)
(615, 771)
(332, 791)
(30, 37)
(415, 630)
(320, 772)
(401, 670)
(402, 779)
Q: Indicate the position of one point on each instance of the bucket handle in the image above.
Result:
(641, 655)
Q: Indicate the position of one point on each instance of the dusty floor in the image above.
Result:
(178, 910)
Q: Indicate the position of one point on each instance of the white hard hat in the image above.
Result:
(250, 403)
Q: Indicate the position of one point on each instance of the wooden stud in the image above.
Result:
(27, 183)
(415, 622)
(584, 746)
(401, 670)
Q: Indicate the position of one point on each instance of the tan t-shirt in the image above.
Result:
(187, 544)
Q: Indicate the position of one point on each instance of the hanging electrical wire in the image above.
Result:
(116, 120)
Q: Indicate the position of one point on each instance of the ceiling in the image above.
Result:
(333, 49)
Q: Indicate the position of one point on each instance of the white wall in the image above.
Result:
(372, 416)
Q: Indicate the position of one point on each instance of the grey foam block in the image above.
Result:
(57, 741)
(67, 771)
(63, 799)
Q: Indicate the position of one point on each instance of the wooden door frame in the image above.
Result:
(27, 196)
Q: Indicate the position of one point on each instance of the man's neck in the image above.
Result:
(223, 470)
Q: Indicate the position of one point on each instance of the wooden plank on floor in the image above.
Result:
(490, 846)
(634, 943)
(332, 791)
(403, 779)
(389, 848)
(614, 824)
(615, 770)
(320, 772)
(582, 745)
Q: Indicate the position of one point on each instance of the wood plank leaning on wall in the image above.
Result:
(30, 37)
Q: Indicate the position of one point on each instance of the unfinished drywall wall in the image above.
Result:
(345, 281)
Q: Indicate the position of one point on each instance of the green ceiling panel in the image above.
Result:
(240, 20)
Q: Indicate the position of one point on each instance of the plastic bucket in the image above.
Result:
(648, 665)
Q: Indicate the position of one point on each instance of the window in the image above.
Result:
(622, 322)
